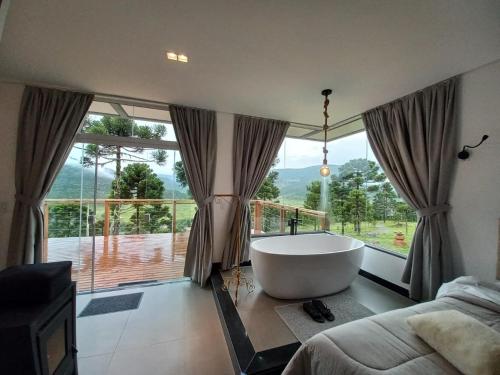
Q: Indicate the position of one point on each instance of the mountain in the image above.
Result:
(67, 184)
(293, 181)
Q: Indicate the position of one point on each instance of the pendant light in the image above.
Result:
(325, 170)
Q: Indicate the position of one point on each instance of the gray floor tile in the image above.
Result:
(95, 365)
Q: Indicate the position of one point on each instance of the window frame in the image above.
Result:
(116, 103)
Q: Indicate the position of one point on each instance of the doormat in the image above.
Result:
(106, 305)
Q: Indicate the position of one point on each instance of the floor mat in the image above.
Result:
(107, 305)
(343, 306)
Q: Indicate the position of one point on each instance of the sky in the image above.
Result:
(294, 153)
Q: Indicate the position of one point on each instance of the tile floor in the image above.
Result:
(175, 330)
(266, 329)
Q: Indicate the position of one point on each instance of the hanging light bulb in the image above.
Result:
(325, 170)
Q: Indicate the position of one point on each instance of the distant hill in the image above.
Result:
(67, 184)
(293, 181)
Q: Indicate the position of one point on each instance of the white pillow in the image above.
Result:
(469, 345)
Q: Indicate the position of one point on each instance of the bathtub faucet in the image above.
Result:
(293, 222)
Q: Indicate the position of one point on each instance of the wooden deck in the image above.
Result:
(123, 258)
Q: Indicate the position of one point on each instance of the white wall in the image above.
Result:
(223, 181)
(475, 195)
(10, 101)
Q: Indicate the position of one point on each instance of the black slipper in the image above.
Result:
(325, 311)
(313, 312)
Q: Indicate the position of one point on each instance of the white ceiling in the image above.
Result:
(263, 58)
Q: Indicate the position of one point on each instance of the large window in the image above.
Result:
(362, 202)
(290, 190)
(117, 208)
(355, 200)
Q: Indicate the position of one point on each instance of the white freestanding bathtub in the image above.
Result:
(305, 265)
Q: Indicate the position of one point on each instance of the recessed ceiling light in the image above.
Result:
(172, 56)
(182, 58)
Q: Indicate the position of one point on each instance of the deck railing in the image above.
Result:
(282, 212)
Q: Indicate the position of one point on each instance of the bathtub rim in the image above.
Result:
(252, 248)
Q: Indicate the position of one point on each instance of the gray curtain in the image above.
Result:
(196, 133)
(48, 123)
(414, 139)
(256, 143)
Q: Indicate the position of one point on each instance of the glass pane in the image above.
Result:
(56, 348)
(363, 203)
(141, 216)
(113, 125)
(137, 210)
(67, 215)
(292, 190)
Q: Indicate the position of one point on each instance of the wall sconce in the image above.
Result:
(464, 154)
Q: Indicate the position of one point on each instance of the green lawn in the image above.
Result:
(381, 234)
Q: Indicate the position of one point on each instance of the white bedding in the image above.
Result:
(385, 344)
(489, 291)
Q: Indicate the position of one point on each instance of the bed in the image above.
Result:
(386, 344)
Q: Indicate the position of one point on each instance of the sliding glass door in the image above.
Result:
(117, 209)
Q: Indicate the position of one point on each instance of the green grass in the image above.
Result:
(381, 234)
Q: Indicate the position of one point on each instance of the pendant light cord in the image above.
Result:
(326, 93)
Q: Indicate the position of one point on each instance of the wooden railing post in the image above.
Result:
(105, 230)
(174, 216)
(45, 232)
(258, 217)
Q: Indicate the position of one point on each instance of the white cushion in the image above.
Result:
(465, 342)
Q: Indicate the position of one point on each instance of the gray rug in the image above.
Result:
(107, 305)
(343, 306)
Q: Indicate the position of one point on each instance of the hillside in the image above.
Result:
(67, 184)
(292, 182)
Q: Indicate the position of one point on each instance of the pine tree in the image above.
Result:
(138, 181)
(339, 192)
(313, 195)
(269, 191)
(385, 201)
(105, 154)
